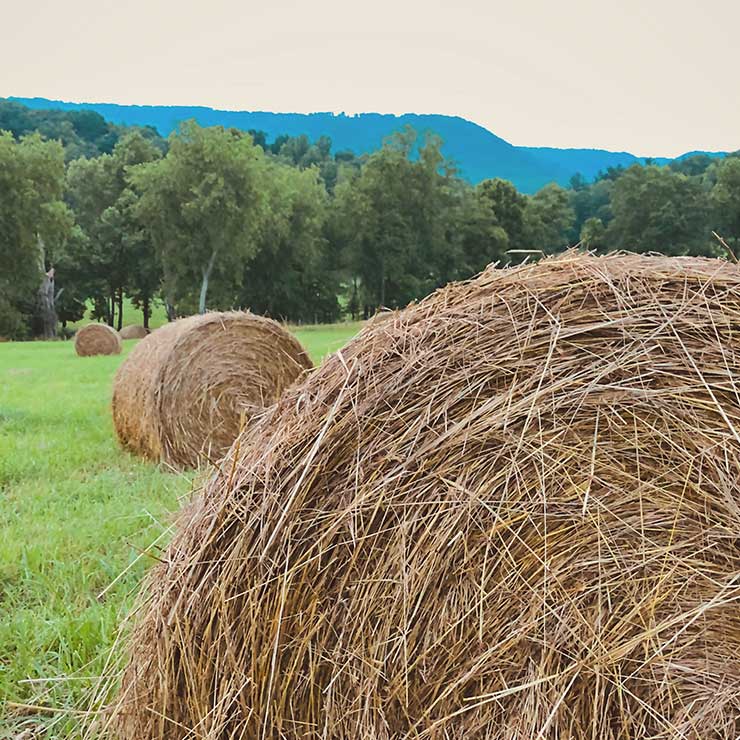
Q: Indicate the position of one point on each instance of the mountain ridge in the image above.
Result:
(478, 153)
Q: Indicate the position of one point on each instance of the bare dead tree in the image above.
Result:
(46, 300)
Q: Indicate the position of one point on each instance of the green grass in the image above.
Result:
(132, 316)
(76, 512)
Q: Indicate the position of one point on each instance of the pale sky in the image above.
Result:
(654, 77)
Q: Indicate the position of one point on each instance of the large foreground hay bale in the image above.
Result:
(97, 339)
(511, 511)
(185, 391)
(133, 332)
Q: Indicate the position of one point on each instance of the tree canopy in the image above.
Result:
(115, 246)
(35, 224)
(222, 218)
(203, 204)
(82, 133)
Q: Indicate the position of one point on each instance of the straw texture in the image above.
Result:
(133, 332)
(187, 389)
(511, 511)
(97, 339)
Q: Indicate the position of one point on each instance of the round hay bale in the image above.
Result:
(509, 511)
(186, 390)
(133, 332)
(97, 339)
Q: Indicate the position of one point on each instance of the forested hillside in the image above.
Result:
(477, 153)
(287, 226)
(83, 132)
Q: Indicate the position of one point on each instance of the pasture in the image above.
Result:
(79, 522)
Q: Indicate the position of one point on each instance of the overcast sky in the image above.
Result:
(654, 77)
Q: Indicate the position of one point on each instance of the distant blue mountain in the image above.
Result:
(478, 153)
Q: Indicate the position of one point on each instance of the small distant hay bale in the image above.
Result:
(97, 339)
(133, 332)
(187, 389)
(510, 511)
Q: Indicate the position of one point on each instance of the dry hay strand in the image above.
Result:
(187, 389)
(133, 332)
(510, 511)
(97, 339)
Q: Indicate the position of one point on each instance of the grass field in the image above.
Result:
(131, 316)
(76, 513)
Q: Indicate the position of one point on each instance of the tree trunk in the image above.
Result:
(47, 309)
(356, 314)
(146, 311)
(45, 297)
(204, 285)
(112, 310)
(382, 282)
(120, 309)
(203, 291)
(171, 311)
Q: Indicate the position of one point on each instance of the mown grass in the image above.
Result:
(131, 316)
(76, 515)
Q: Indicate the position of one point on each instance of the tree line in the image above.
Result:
(217, 218)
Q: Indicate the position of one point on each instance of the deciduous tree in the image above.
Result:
(291, 276)
(34, 223)
(507, 206)
(548, 219)
(203, 205)
(725, 201)
(103, 202)
(656, 209)
(395, 218)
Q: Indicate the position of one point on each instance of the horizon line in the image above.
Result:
(355, 114)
